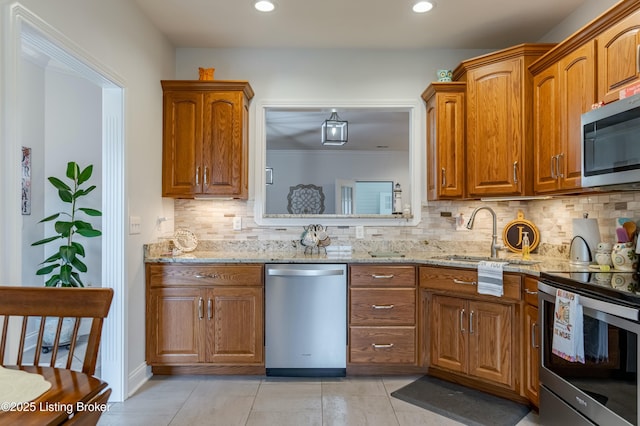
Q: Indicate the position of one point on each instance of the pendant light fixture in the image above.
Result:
(334, 130)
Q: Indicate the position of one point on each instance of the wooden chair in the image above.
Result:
(46, 302)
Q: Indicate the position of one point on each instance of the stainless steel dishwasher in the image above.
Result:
(306, 319)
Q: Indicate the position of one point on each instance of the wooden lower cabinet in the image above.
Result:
(472, 337)
(213, 323)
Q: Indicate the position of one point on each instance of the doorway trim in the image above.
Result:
(21, 25)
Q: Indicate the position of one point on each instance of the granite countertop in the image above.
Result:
(539, 264)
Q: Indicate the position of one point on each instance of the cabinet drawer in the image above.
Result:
(531, 291)
(161, 275)
(382, 276)
(443, 279)
(394, 306)
(383, 345)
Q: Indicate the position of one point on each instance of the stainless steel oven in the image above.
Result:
(603, 390)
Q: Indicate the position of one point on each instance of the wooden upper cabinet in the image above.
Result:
(499, 116)
(618, 57)
(445, 104)
(205, 138)
(562, 93)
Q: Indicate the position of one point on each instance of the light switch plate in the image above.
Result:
(237, 223)
(135, 225)
(359, 231)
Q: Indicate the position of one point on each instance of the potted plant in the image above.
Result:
(65, 265)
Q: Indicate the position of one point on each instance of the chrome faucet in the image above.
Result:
(494, 237)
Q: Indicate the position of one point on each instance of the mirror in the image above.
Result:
(305, 179)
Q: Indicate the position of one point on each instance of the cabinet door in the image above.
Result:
(182, 144)
(235, 325)
(531, 353)
(546, 116)
(175, 326)
(448, 333)
(494, 129)
(490, 341)
(618, 57)
(445, 145)
(224, 144)
(577, 73)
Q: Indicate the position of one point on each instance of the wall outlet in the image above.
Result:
(237, 223)
(135, 225)
(360, 231)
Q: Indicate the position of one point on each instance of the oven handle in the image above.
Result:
(545, 290)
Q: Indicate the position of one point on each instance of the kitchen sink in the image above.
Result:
(476, 259)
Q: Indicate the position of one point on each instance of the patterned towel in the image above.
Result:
(568, 337)
(490, 278)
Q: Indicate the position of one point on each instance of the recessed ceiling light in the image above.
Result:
(422, 6)
(264, 5)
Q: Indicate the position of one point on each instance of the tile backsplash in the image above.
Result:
(212, 220)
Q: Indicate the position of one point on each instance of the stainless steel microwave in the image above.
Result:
(611, 144)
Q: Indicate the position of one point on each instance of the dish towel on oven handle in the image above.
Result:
(568, 336)
(490, 278)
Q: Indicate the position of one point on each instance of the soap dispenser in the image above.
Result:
(526, 246)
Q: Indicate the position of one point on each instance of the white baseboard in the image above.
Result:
(138, 377)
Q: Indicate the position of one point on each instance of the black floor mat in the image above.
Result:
(460, 403)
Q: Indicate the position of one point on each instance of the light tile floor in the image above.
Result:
(255, 401)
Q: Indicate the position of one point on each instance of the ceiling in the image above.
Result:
(452, 24)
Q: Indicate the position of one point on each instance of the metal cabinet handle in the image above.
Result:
(638, 59)
(381, 277)
(534, 344)
(198, 176)
(209, 309)
(382, 306)
(462, 330)
(559, 167)
(382, 345)
(533, 293)
(471, 323)
(457, 281)
(204, 176)
(444, 177)
(201, 275)
(515, 172)
(200, 308)
(554, 167)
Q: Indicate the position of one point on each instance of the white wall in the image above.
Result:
(122, 40)
(578, 19)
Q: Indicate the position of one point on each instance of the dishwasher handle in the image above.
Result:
(292, 272)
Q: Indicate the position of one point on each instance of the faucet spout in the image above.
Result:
(494, 237)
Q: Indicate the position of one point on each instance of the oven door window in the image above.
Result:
(609, 374)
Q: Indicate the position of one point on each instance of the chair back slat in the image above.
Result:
(51, 304)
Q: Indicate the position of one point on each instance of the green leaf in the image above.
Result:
(83, 192)
(79, 249)
(53, 258)
(65, 195)
(65, 274)
(73, 170)
(90, 212)
(67, 253)
(46, 240)
(49, 218)
(58, 184)
(77, 280)
(79, 265)
(63, 228)
(53, 281)
(80, 224)
(47, 269)
(85, 175)
(89, 232)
